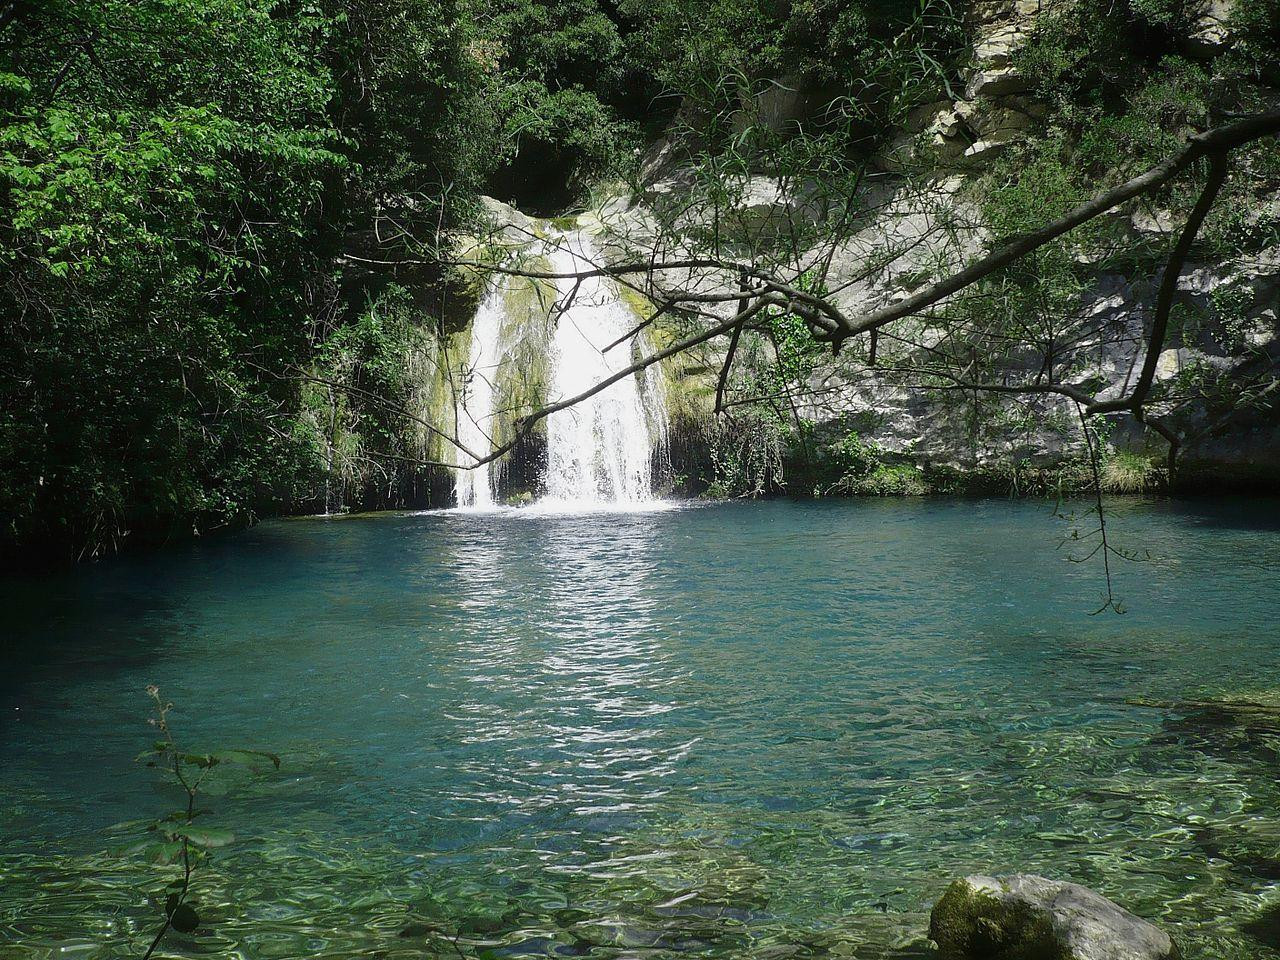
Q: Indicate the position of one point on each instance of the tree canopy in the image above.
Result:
(196, 196)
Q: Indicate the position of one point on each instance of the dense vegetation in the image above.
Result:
(179, 177)
(197, 198)
(180, 181)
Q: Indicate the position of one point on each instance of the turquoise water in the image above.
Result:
(755, 730)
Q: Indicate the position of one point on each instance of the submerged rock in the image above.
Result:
(1265, 927)
(1026, 917)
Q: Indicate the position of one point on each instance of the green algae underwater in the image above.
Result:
(739, 730)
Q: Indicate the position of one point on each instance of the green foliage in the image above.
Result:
(176, 838)
(1087, 145)
(177, 179)
(365, 406)
(747, 456)
(555, 143)
(1255, 27)
(1227, 323)
(559, 92)
(1123, 471)
(864, 471)
(562, 44)
(874, 58)
(409, 94)
(1090, 54)
(163, 187)
(795, 350)
(1124, 95)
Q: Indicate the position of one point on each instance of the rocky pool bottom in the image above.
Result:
(755, 730)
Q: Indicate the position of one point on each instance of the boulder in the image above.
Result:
(985, 150)
(507, 224)
(1210, 32)
(997, 47)
(996, 82)
(1026, 917)
(985, 12)
(995, 122)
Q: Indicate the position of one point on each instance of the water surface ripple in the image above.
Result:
(762, 731)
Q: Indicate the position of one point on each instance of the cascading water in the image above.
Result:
(599, 451)
(474, 408)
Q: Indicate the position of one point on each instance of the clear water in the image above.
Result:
(764, 731)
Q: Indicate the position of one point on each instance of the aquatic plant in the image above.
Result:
(180, 840)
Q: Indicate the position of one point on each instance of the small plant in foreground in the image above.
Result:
(180, 840)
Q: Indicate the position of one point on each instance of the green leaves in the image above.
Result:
(184, 918)
(205, 836)
(162, 200)
(184, 841)
(175, 194)
(246, 757)
(163, 852)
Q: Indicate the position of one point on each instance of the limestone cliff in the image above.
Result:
(1230, 306)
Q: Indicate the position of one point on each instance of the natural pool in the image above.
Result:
(752, 730)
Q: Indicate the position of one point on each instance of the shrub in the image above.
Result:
(1126, 472)
(865, 473)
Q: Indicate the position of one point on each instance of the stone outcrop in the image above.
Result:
(996, 106)
(1027, 917)
(1228, 313)
(1210, 32)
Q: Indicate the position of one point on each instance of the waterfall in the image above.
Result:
(474, 413)
(600, 450)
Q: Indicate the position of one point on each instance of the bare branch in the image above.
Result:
(733, 348)
(1169, 289)
(1214, 142)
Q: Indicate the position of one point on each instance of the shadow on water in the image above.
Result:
(117, 618)
(1266, 927)
(1246, 513)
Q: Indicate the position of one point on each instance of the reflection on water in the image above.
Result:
(734, 731)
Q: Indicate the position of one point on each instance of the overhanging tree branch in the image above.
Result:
(1169, 289)
(1217, 143)
(828, 323)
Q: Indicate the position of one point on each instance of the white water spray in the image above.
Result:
(599, 451)
(474, 409)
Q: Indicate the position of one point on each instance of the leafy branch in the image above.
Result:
(182, 841)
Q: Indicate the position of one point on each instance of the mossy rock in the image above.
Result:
(969, 923)
(1026, 917)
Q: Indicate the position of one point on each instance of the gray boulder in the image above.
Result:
(1026, 917)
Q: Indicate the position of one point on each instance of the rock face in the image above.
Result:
(1026, 917)
(996, 107)
(930, 221)
(1210, 33)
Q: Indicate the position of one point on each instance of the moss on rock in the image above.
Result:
(971, 923)
(525, 378)
(1026, 917)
